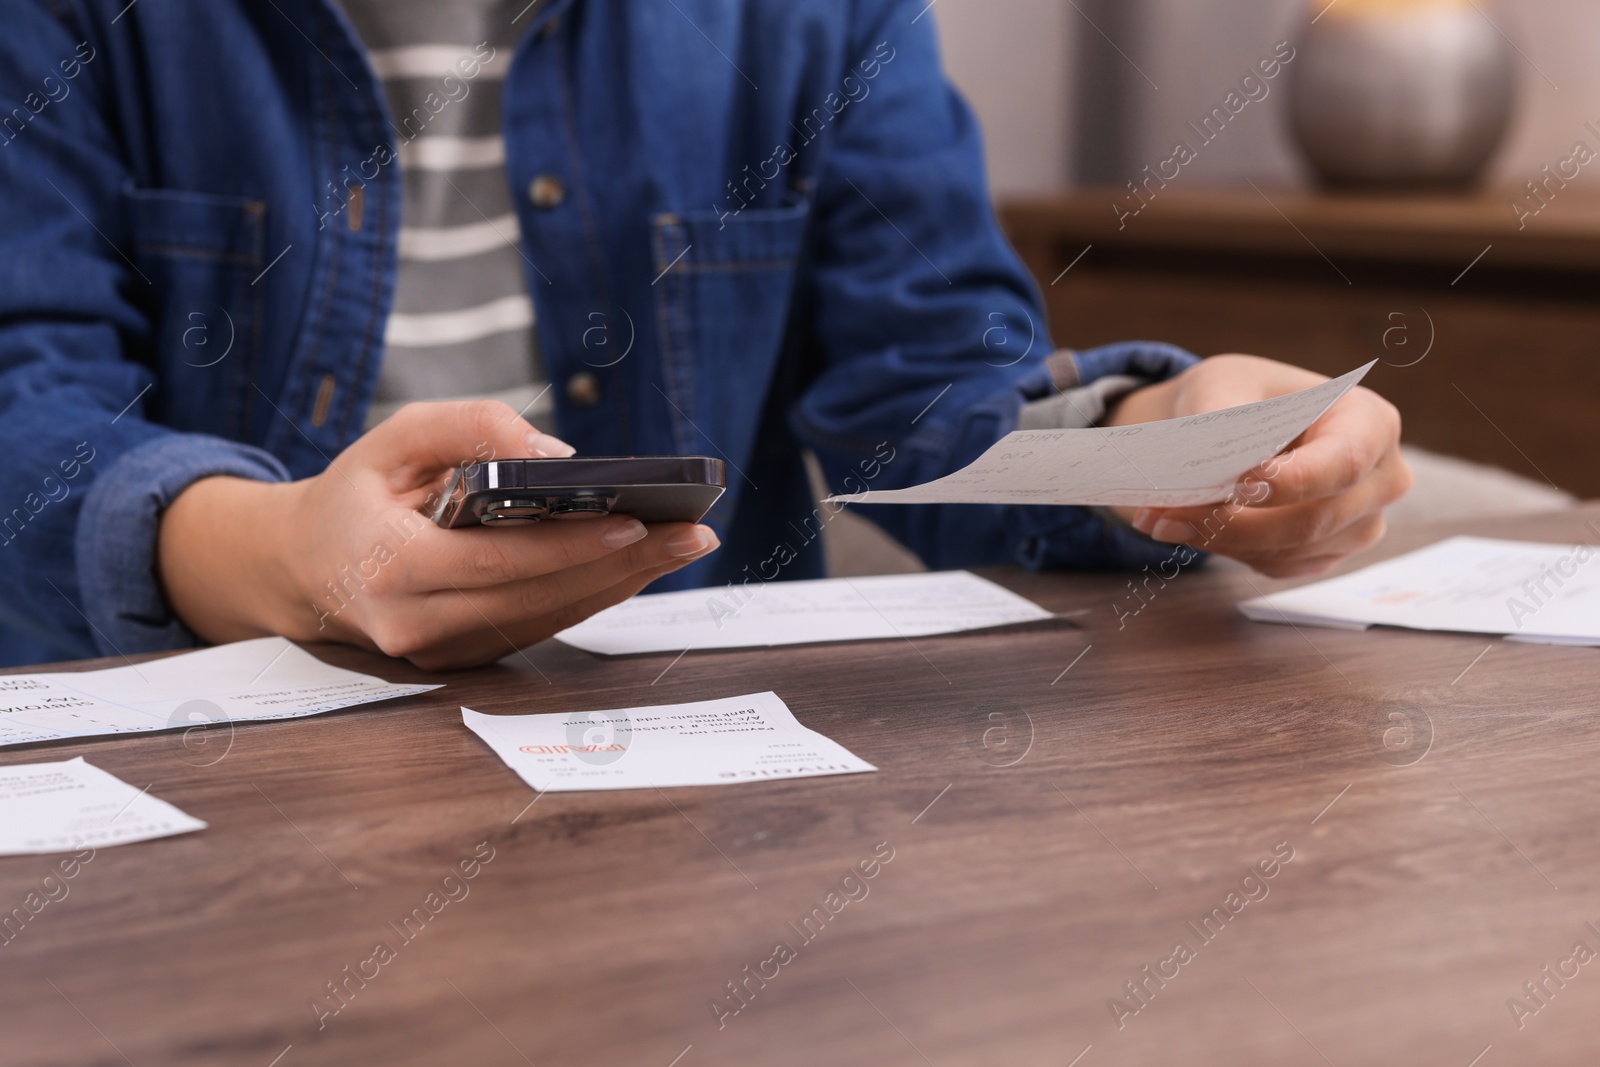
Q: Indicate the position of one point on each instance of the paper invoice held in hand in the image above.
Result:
(1198, 459)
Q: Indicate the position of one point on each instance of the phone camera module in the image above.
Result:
(513, 512)
(580, 507)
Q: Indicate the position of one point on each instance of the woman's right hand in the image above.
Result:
(347, 556)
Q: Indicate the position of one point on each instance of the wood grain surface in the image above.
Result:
(1063, 804)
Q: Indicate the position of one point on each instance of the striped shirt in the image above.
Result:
(462, 322)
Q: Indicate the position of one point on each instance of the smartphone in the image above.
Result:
(518, 492)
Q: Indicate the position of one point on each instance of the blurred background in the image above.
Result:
(1419, 184)
(1061, 107)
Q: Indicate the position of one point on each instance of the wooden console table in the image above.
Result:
(1509, 318)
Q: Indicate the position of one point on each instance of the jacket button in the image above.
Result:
(546, 191)
(583, 389)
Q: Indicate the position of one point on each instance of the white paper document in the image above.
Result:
(710, 742)
(1528, 590)
(267, 678)
(72, 805)
(758, 615)
(1197, 459)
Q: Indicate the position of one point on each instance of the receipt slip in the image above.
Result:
(72, 806)
(711, 742)
(1197, 459)
(1528, 590)
(760, 615)
(266, 678)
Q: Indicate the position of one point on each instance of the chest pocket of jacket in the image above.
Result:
(202, 254)
(723, 295)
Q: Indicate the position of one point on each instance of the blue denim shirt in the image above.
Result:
(773, 235)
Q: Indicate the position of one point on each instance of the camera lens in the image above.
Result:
(579, 507)
(513, 512)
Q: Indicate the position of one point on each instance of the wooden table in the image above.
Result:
(1060, 801)
(1486, 324)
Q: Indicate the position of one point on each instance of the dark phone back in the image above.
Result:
(522, 491)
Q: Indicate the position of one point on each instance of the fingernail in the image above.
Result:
(544, 446)
(692, 542)
(1173, 531)
(624, 534)
(1143, 518)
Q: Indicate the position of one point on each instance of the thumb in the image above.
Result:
(418, 443)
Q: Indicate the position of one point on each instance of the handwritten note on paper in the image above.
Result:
(72, 805)
(1197, 459)
(1530, 591)
(792, 613)
(710, 742)
(267, 678)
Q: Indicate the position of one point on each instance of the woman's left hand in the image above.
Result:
(1316, 503)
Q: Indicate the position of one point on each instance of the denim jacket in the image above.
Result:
(761, 228)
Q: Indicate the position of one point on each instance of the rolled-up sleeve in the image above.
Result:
(118, 526)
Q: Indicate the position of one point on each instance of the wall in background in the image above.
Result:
(1039, 74)
(1562, 37)
(1197, 53)
(1012, 60)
